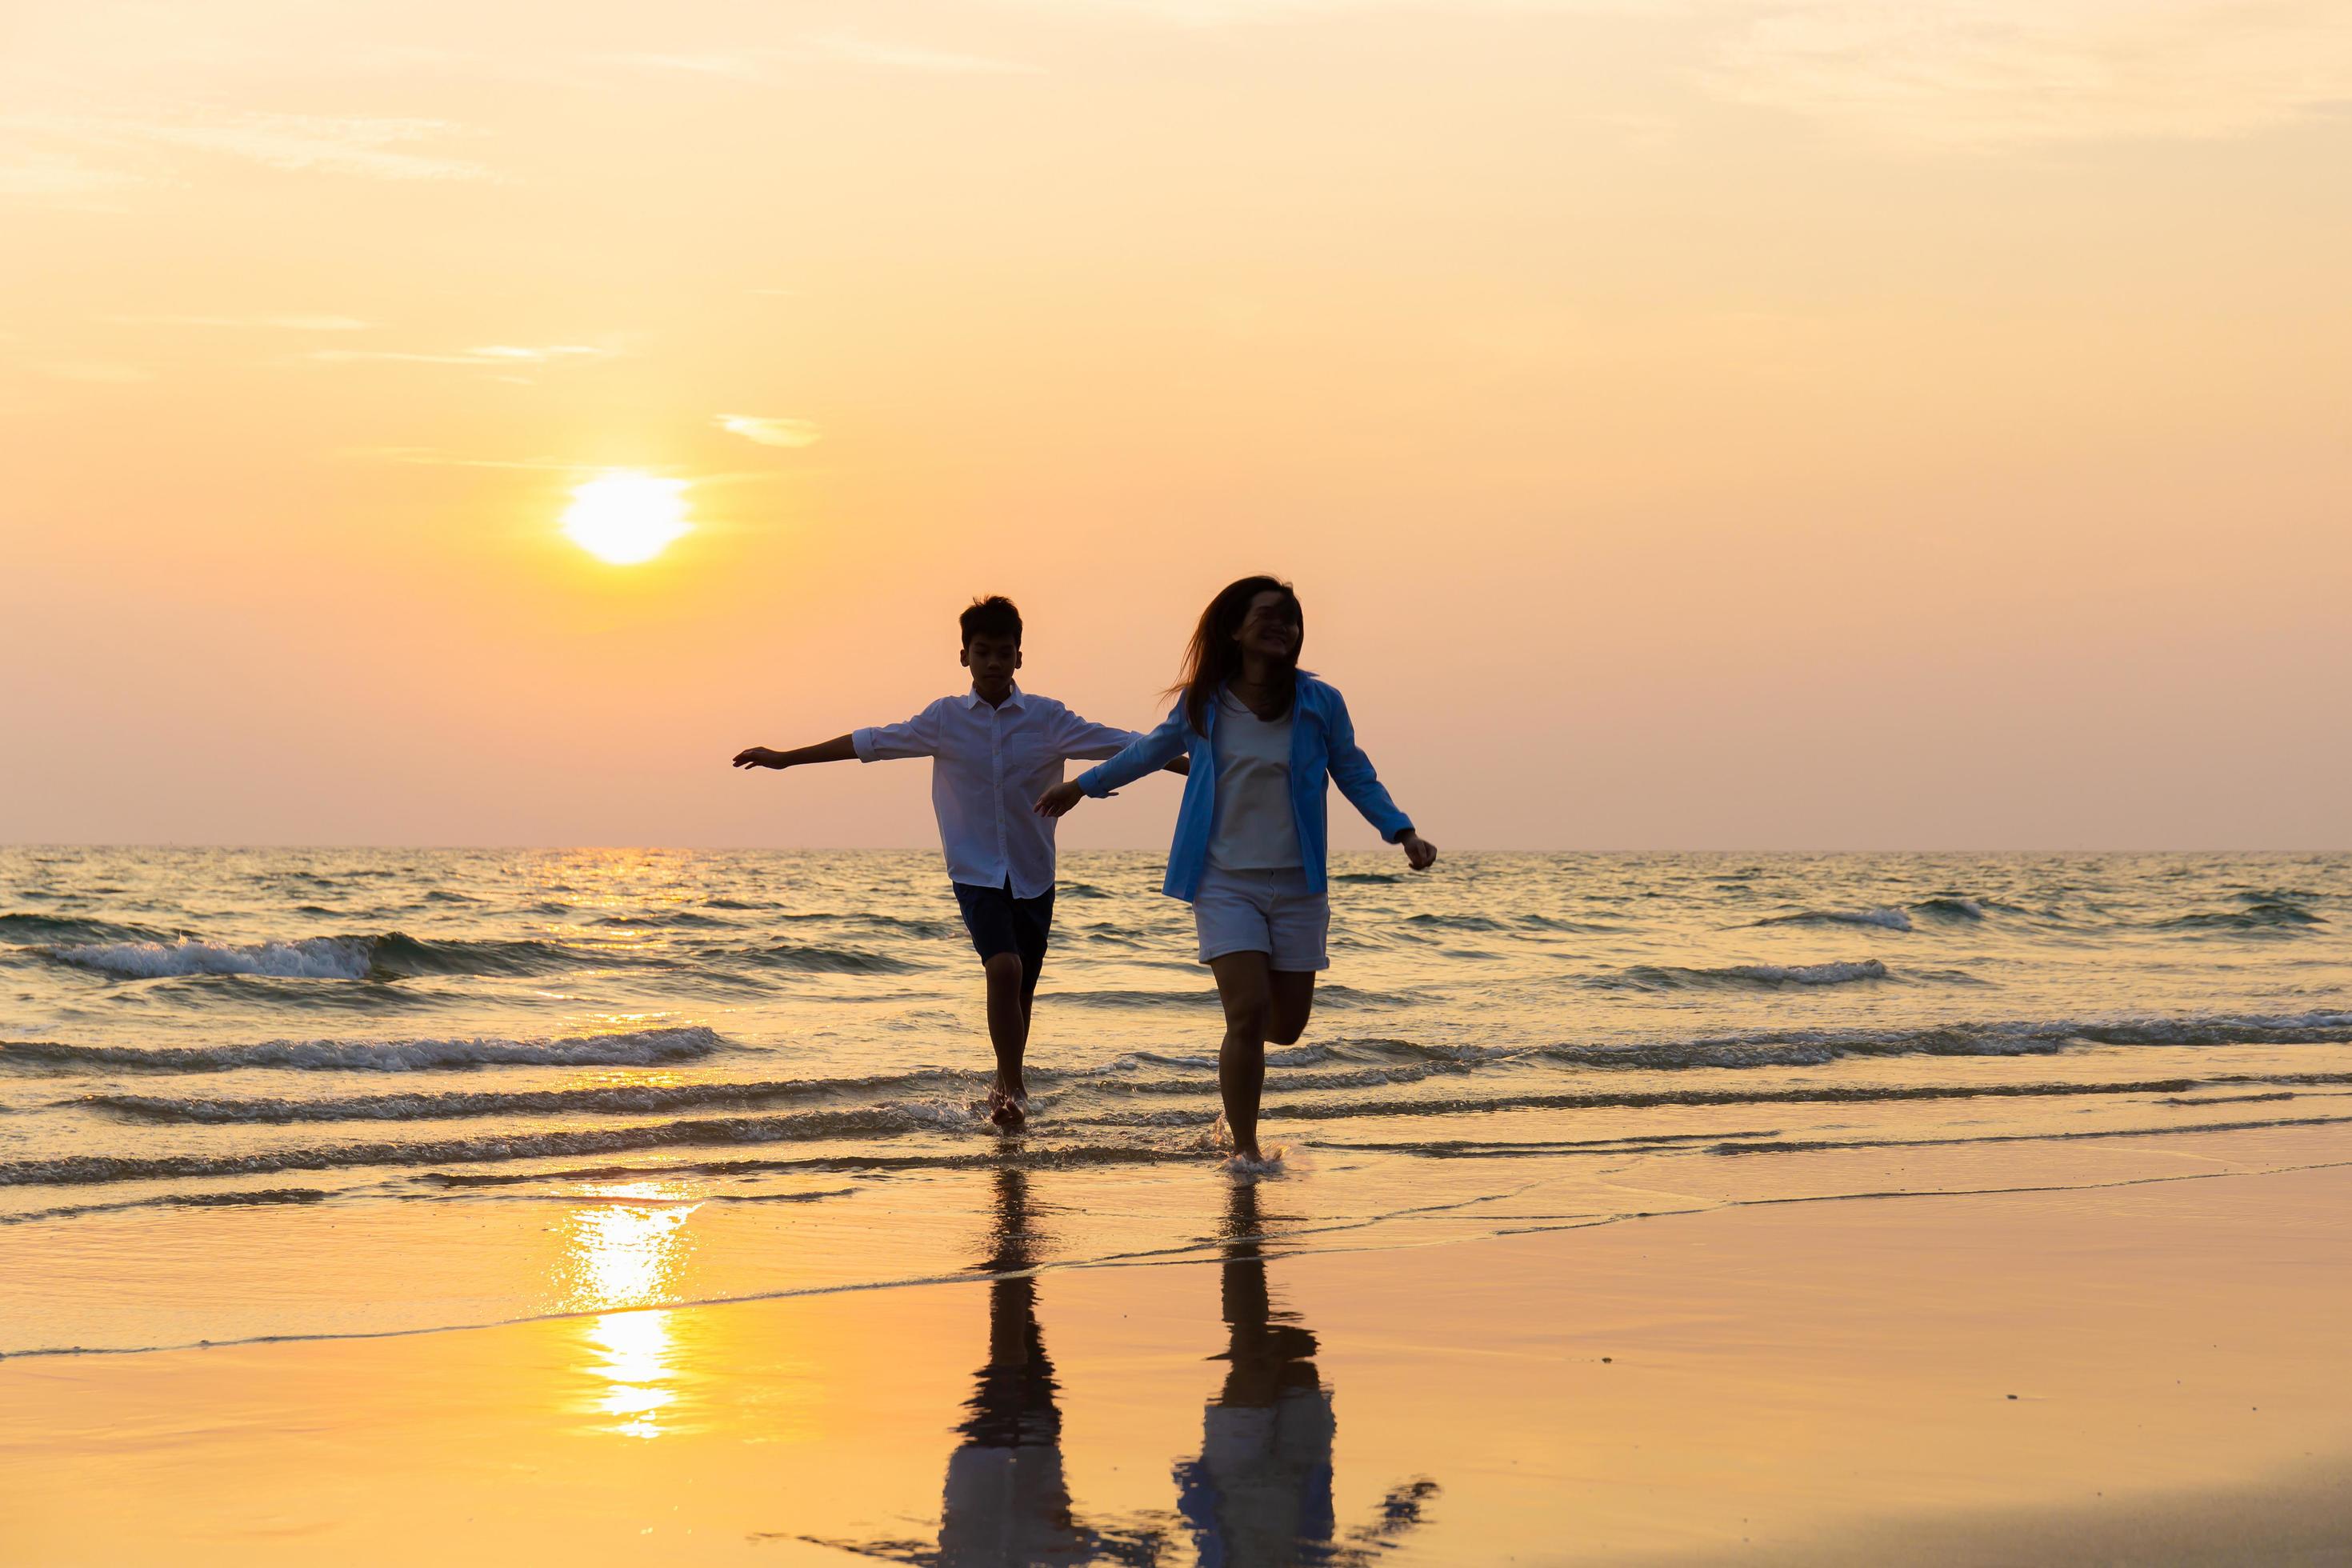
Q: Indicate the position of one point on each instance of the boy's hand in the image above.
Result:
(1058, 800)
(760, 757)
(1419, 852)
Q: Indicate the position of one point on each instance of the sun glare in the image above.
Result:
(626, 517)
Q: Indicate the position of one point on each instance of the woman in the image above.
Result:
(1261, 734)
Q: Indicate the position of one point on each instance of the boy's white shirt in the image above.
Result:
(989, 765)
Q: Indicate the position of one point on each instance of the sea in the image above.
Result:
(286, 1093)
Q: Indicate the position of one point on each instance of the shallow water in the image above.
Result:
(292, 1092)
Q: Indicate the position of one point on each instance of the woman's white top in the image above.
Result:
(1255, 830)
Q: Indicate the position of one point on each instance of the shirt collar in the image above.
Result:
(972, 698)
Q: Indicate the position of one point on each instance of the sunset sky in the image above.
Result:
(1716, 424)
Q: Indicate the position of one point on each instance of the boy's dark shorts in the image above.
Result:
(999, 922)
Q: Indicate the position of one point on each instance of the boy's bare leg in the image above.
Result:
(1008, 1031)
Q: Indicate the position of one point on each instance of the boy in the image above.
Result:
(994, 749)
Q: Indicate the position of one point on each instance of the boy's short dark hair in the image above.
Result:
(994, 616)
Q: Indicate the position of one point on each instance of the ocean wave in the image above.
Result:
(1951, 905)
(608, 1099)
(239, 1197)
(1769, 976)
(312, 958)
(994, 1156)
(910, 926)
(395, 955)
(1369, 1050)
(1805, 1145)
(1884, 918)
(1817, 1048)
(49, 929)
(872, 1121)
(1854, 1094)
(1196, 999)
(2323, 1027)
(831, 961)
(693, 920)
(1347, 1064)
(641, 1047)
(2262, 917)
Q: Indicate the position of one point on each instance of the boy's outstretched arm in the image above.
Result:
(915, 737)
(1076, 737)
(840, 749)
(1147, 754)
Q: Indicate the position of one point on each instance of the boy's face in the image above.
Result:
(991, 662)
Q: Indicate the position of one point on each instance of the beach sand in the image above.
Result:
(2153, 1372)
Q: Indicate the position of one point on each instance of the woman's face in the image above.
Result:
(1270, 627)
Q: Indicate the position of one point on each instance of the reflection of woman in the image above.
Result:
(1260, 1493)
(1007, 1502)
(1263, 737)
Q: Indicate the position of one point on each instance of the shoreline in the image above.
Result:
(1299, 1241)
(1816, 1379)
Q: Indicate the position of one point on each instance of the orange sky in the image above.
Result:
(1730, 422)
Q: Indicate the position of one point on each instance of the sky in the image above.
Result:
(1705, 423)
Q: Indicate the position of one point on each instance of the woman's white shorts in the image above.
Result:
(1263, 912)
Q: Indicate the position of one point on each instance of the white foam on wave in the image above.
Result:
(1884, 918)
(1808, 974)
(313, 958)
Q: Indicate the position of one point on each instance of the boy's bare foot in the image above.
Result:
(1006, 1109)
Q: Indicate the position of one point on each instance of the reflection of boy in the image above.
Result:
(1007, 1502)
(994, 749)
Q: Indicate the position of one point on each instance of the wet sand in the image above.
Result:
(2145, 1373)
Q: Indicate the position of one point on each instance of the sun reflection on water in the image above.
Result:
(634, 1353)
(625, 1252)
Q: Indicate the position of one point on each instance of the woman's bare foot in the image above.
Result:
(1006, 1109)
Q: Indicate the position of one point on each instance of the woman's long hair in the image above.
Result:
(1213, 658)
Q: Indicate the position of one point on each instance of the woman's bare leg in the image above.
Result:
(1293, 995)
(1244, 984)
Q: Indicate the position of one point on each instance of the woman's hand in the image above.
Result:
(1058, 800)
(760, 757)
(1419, 852)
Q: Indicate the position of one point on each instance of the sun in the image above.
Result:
(626, 518)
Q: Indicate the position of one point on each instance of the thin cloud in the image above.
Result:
(1992, 74)
(1248, 13)
(368, 147)
(104, 372)
(493, 354)
(850, 49)
(769, 431)
(747, 65)
(433, 458)
(759, 64)
(270, 323)
(60, 174)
